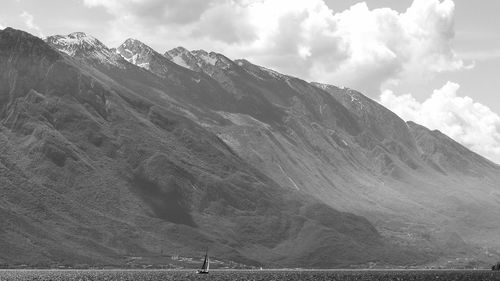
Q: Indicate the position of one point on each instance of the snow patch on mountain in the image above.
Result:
(77, 39)
(183, 57)
(138, 53)
(180, 61)
(144, 65)
(208, 59)
(81, 45)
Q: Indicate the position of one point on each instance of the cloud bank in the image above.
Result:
(360, 48)
(470, 123)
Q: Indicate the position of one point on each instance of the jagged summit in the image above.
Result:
(178, 50)
(82, 45)
(142, 55)
(212, 59)
(183, 57)
(134, 44)
(200, 60)
(79, 35)
(75, 43)
(136, 52)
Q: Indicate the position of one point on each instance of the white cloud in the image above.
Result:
(29, 22)
(360, 48)
(481, 55)
(470, 123)
(386, 46)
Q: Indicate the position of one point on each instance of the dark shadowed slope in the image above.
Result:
(103, 160)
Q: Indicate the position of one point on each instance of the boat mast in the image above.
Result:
(205, 262)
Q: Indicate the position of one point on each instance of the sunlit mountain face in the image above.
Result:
(112, 153)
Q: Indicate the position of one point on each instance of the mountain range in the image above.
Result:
(110, 154)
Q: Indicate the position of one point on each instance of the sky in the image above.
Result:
(434, 62)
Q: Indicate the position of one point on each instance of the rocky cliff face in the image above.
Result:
(133, 153)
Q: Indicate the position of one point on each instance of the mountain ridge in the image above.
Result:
(266, 167)
(117, 176)
(390, 149)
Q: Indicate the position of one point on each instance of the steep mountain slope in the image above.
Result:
(99, 168)
(433, 173)
(178, 151)
(349, 152)
(136, 52)
(448, 156)
(471, 195)
(355, 155)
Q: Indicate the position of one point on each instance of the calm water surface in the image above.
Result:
(161, 275)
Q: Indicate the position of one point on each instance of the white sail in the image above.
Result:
(206, 265)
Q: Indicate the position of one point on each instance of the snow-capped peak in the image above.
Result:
(75, 43)
(199, 60)
(82, 45)
(138, 53)
(79, 35)
(208, 58)
(134, 44)
(212, 59)
(183, 57)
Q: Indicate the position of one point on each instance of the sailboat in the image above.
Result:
(205, 266)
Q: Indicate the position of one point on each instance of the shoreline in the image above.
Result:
(245, 270)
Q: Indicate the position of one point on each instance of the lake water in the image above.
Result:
(163, 275)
